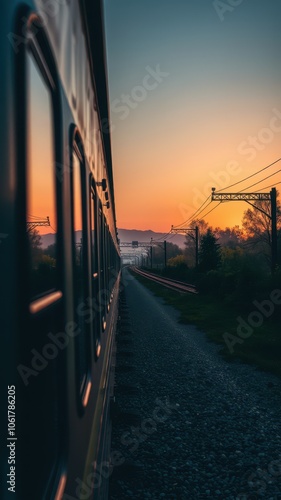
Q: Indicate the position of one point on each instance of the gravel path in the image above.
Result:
(203, 428)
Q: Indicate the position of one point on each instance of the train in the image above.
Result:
(59, 248)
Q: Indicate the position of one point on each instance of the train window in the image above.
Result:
(41, 193)
(78, 225)
(73, 69)
(80, 271)
(102, 294)
(106, 258)
(94, 236)
(42, 291)
(95, 271)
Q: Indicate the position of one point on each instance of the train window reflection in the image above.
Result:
(94, 237)
(80, 273)
(41, 198)
(95, 271)
(78, 227)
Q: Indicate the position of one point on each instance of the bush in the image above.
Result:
(228, 284)
(210, 282)
(179, 272)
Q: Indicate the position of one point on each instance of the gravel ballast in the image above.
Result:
(188, 424)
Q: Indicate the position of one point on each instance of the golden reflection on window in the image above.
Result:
(94, 236)
(78, 225)
(80, 276)
(41, 198)
(95, 275)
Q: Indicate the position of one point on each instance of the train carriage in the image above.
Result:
(59, 250)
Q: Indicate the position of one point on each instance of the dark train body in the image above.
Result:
(59, 251)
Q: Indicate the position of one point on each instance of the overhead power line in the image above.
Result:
(30, 225)
(195, 217)
(272, 185)
(249, 176)
(35, 217)
(210, 211)
(253, 197)
(202, 207)
(195, 213)
(258, 182)
(162, 237)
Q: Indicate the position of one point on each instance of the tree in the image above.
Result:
(158, 252)
(231, 259)
(229, 237)
(190, 243)
(173, 250)
(177, 268)
(209, 252)
(51, 250)
(35, 242)
(201, 224)
(257, 227)
(177, 261)
(35, 239)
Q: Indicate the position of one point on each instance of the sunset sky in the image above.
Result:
(195, 96)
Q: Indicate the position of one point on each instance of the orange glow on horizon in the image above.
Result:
(167, 182)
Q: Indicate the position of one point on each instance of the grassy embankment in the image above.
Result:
(215, 317)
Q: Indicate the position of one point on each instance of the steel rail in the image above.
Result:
(178, 286)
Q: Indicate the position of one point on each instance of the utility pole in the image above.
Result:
(248, 197)
(196, 246)
(186, 230)
(136, 245)
(151, 254)
(164, 247)
(273, 230)
(33, 224)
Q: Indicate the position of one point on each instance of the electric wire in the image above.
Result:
(161, 237)
(210, 211)
(202, 207)
(264, 179)
(35, 217)
(249, 176)
(192, 216)
(268, 187)
(172, 235)
(196, 215)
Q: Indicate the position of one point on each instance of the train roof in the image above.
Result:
(93, 17)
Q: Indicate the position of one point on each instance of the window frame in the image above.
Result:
(35, 49)
(82, 390)
(95, 269)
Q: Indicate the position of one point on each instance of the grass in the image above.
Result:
(215, 317)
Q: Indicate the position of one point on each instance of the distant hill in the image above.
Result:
(49, 239)
(126, 236)
(129, 235)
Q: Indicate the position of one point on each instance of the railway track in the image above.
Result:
(178, 286)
